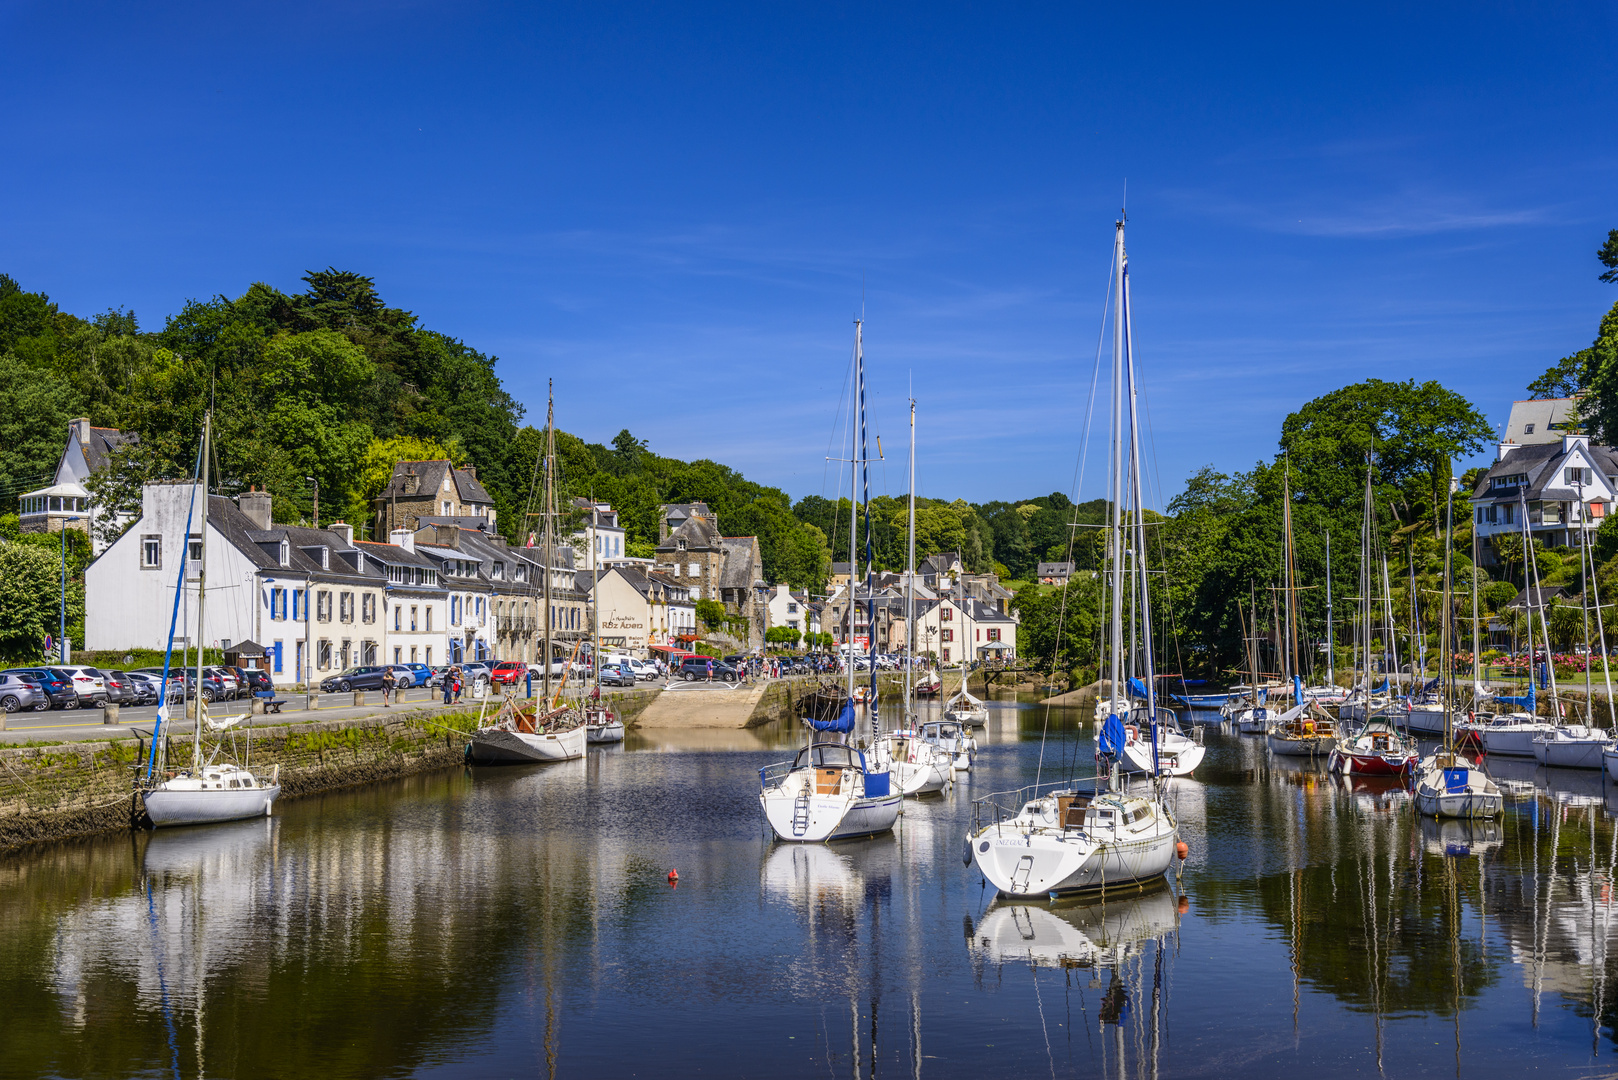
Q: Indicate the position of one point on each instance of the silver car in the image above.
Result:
(17, 693)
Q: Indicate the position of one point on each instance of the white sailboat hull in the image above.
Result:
(610, 732)
(1512, 741)
(167, 805)
(1176, 755)
(828, 817)
(1609, 758)
(1041, 862)
(1425, 720)
(1570, 753)
(496, 746)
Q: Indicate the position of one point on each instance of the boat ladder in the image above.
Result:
(1019, 876)
(800, 812)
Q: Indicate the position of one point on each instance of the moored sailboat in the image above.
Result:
(1049, 839)
(210, 790)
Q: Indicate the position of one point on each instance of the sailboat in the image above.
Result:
(1055, 838)
(828, 791)
(964, 708)
(210, 790)
(1246, 707)
(919, 766)
(551, 730)
(1449, 784)
(1305, 730)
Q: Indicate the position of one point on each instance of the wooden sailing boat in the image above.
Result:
(1449, 784)
(1048, 839)
(828, 791)
(551, 730)
(210, 790)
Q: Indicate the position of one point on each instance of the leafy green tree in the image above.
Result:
(35, 408)
(711, 613)
(1608, 254)
(1564, 378)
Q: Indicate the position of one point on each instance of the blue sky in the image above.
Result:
(676, 210)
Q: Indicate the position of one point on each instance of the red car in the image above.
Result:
(510, 672)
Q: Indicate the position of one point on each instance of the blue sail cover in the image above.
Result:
(1137, 688)
(1112, 736)
(1525, 702)
(843, 724)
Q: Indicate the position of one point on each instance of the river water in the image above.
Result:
(519, 922)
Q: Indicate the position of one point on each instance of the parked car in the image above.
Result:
(88, 682)
(617, 675)
(695, 668)
(21, 692)
(57, 685)
(368, 677)
(231, 687)
(435, 676)
(644, 670)
(146, 687)
(121, 689)
(421, 671)
(256, 680)
(509, 672)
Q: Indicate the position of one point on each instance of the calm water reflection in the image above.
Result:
(518, 922)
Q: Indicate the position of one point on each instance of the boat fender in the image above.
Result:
(966, 850)
(1183, 850)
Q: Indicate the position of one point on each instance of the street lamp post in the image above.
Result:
(315, 513)
(61, 630)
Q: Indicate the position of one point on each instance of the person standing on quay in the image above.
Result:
(448, 684)
(387, 686)
(710, 669)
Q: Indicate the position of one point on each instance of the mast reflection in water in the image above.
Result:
(520, 922)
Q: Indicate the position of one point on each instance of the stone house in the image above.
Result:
(692, 552)
(425, 493)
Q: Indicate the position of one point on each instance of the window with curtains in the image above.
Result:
(368, 607)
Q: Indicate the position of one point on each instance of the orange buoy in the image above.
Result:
(674, 875)
(1183, 850)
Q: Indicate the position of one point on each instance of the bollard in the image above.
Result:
(109, 713)
(359, 697)
(257, 708)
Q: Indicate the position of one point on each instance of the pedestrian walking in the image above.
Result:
(447, 684)
(710, 669)
(388, 682)
(456, 674)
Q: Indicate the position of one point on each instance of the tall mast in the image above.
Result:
(1331, 643)
(1115, 482)
(202, 576)
(910, 565)
(853, 504)
(1445, 653)
(550, 525)
(870, 561)
(1148, 673)
(1288, 583)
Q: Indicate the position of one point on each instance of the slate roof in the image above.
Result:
(698, 533)
(738, 571)
(103, 441)
(431, 474)
(261, 546)
(1055, 569)
(1542, 464)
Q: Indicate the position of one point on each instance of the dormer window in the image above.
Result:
(285, 553)
(1528, 429)
(325, 558)
(448, 508)
(679, 545)
(499, 572)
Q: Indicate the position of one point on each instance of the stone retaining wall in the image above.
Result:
(72, 789)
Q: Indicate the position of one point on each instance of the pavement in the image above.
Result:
(85, 725)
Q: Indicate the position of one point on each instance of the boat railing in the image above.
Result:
(998, 806)
(771, 775)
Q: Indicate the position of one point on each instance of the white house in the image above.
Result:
(601, 538)
(787, 609)
(1565, 489)
(308, 596)
(638, 611)
(415, 613)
